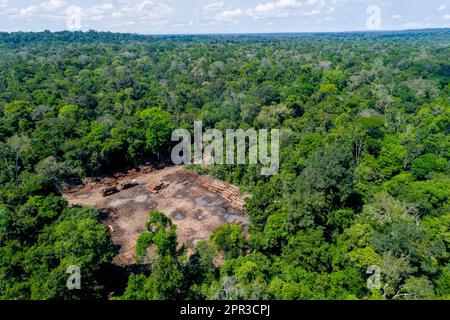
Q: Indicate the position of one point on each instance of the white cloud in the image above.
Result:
(284, 8)
(148, 11)
(27, 12)
(52, 5)
(101, 8)
(319, 4)
(51, 8)
(312, 12)
(271, 7)
(208, 15)
(214, 6)
(98, 12)
(218, 11)
(228, 15)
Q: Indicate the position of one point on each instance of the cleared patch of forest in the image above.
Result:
(186, 199)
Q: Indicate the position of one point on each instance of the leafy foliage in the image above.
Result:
(364, 177)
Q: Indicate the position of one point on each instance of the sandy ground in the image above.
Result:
(195, 210)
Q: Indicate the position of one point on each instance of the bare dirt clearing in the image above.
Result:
(185, 197)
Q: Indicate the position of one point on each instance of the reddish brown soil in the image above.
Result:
(195, 210)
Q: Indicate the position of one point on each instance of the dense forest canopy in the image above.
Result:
(364, 178)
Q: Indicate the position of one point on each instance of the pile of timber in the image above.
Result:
(129, 184)
(109, 191)
(134, 173)
(238, 204)
(145, 169)
(217, 187)
(230, 193)
(155, 187)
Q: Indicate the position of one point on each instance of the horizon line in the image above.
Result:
(231, 33)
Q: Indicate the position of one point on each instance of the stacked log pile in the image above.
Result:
(109, 183)
(109, 191)
(155, 187)
(217, 187)
(230, 193)
(129, 184)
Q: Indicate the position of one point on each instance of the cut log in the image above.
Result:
(129, 185)
(156, 187)
(229, 193)
(109, 191)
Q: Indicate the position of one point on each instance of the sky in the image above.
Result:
(227, 16)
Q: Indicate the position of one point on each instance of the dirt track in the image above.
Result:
(195, 210)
